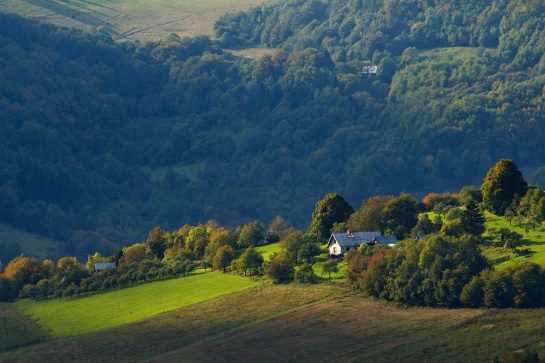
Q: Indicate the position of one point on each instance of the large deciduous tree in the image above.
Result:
(369, 216)
(223, 258)
(400, 215)
(330, 210)
(502, 183)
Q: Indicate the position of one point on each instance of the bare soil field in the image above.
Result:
(341, 330)
(141, 20)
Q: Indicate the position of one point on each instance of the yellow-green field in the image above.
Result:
(142, 20)
(70, 317)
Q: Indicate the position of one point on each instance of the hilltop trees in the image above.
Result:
(330, 210)
(399, 216)
(500, 186)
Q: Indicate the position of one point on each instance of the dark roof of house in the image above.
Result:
(102, 265)
(386, 240)
(353, 239)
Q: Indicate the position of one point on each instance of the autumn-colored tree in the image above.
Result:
(23, 270)
(157, 242)
(223, 258)
(502, 183)
(197, 240)
(432, 199)
(135, 253)
(369, 216)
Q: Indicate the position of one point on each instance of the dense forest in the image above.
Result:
(102, 141)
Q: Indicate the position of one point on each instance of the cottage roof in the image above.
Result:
(103, 265)
(385, 240)
(353, 239)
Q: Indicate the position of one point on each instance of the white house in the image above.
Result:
(340, 243)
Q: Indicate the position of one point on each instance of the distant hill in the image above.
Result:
(101, 141)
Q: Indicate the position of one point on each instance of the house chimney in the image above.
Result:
(348, 232)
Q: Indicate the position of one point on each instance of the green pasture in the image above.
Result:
(148, 339)
(533, 241)
(141, 20)
(102, 311)
(267, 250)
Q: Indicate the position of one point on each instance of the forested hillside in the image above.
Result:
(101, 141)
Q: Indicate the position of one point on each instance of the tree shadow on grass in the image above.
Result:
(69, 12)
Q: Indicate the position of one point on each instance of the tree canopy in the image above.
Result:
(502, 183)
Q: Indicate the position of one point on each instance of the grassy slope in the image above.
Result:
(32, 244)
(17, 328)
(534, 240)
(173, 330)
(303, 324)
(132, 19)
(102, 311)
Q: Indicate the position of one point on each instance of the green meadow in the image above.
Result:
(531, 248)
(141, 20)
(102, 311)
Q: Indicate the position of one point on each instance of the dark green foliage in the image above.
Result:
(330, 210)
(432, 272)
(425, 226)
(399, 216)
(250, 261)
(102, 140)
(8, 290)
(251, 234)
(472, 220)
(510, 239)
(280, 268)
(305, 275)
(330, 266)
(500, 186)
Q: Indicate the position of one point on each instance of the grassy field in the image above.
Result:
(292, 323)
(153, 337)
(102, 311)
(131, 19)
(267, 250)
(533, 240)
(32, 244)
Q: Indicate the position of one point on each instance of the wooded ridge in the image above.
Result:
(102, 141)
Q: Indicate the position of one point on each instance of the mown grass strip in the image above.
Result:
(102, 311)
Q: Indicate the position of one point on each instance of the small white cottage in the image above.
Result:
(340, 243)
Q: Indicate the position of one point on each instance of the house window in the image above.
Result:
(334, 250)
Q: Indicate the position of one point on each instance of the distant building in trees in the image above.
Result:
(384, 240)
(103, 265)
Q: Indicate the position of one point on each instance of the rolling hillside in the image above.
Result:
(302, 324)
(104, 140)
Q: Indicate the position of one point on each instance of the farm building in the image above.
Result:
(340, 243)
(104, 265)
(384, 240)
